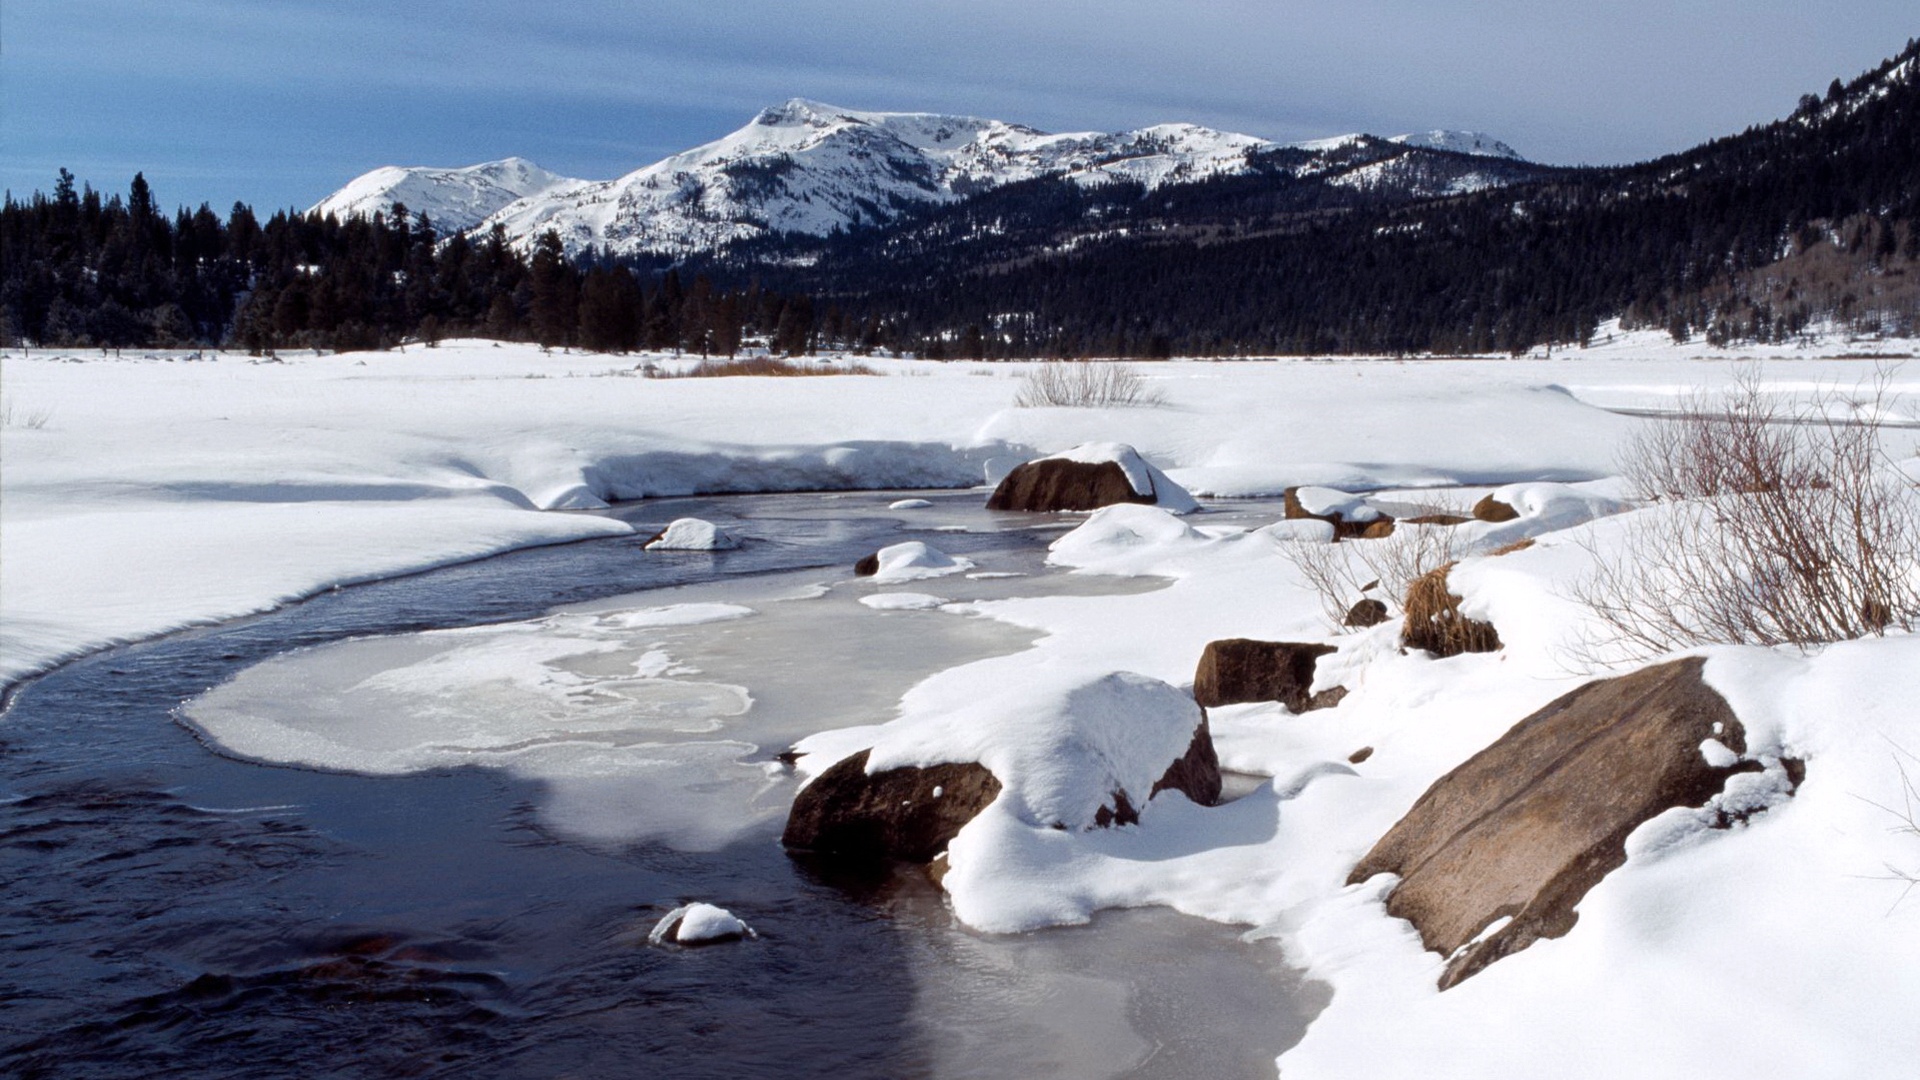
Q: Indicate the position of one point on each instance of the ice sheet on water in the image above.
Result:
(586, 703)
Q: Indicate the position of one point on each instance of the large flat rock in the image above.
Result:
(1524, 828)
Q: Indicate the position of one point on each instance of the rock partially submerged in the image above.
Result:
(909, 561)
(691, 534)
(699, 924)
(1524, 828)
(1089, 477)
(1493, 510)
(1233, 671)
(1086, 755)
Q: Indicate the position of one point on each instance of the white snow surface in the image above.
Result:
(693, 534)
(903, 601)
(914, 560)
(698, 923)
(162, 493)
(1142, 477)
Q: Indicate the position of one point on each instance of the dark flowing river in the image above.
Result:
(172, 910)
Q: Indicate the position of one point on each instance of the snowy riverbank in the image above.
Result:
(143, 494)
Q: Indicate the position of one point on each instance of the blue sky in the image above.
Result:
(278, 102)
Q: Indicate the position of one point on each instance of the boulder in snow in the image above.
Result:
(1074, 755)
(1350, 515)
(1368, 612)
(699, 924)
(1524, 828)
(1089, 477)
(909, 561)
(691, 534)
(1492, 509)
(1237, 670)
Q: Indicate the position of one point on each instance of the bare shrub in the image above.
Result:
(1385, 569)
(1085, 384)
(1785, 523)
(26, 419)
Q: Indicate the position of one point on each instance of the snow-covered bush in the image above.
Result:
(1085, 384)
(1779, 520)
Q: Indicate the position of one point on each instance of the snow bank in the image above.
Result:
(692, 534)
(915, 560)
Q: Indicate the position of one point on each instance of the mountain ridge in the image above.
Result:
(808, 168)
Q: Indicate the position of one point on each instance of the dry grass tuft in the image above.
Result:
(1434, 621)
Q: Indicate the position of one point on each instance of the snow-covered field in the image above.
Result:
(144, 494)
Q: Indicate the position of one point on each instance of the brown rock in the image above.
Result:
(1434, 622)
(867, 566)
(1342, 529)
(1366, 613)
(1057, 484)
(1438, 519)
(1197, 774)
(896, 815)
(1492, 509)
(1360, 755)
(1327, 699)
(888, 815)
(1236, 670)
(1528, 825)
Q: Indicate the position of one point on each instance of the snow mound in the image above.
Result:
(903, 601)
(1125, 531)
(909, 504)
(1325, 501)
(1061, 745)
(914, 560)
(1141, 476)
(699, 924)
(1543, 508)
(692, 534)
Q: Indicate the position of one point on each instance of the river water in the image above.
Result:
(222, 857)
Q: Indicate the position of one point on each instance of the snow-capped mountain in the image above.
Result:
(810, 168)
(1475, 143)
(455, 199)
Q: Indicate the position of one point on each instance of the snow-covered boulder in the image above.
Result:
(1350, 515)
(909, 561)
(1073, 754)
(699, 924)
(1088, 477)
(1237, 670)
(691, 534)
(1125, 532)
(1499, 852)
(1521, 511)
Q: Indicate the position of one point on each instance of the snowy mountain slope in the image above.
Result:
(810, 168)
(1475, 143)
(455, 199)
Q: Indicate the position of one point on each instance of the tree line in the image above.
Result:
(92, 270)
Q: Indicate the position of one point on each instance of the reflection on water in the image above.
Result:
(176, 912)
